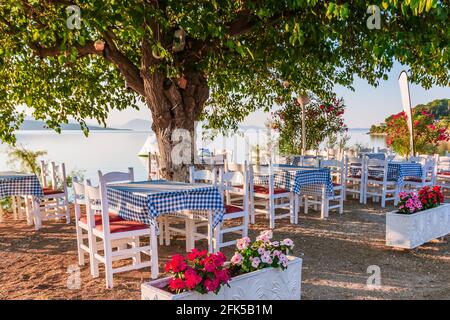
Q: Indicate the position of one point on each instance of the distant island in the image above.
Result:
(440, 109)
(36, 125)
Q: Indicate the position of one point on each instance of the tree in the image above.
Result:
(427, 133)
(214, 60)
(323, 120)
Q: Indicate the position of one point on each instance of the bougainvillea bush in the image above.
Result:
(322, 120)
(197, 271)
(262, 253)
(426, 198)
(428, 133)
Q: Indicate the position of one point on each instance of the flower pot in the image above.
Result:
(412, 230)
(264, 284)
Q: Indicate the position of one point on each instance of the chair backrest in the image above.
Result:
(336, 169)
(376, 167)
(117, 177)
(366, 150)
(54, 175)
(79, 195)
(204, 176)
(227, 181)
(429, 170)
(443, 164)
(233, 166)
(354, 166)
(97, 203)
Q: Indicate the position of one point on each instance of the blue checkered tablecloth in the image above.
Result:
(397, 171)
(301, 180)
(19, 184)
(378, 156)
(144, 201)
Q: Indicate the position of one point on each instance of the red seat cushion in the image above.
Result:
(444, 173)
(335, 184)
(232, 209)
(412, 179)
(265, 190)
(98, 218)
(123, 226)
(50, 191)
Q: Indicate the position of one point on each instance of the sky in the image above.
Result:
(366, 105)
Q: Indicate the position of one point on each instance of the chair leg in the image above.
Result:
(161, 231)
(66, 206)
(137, 255)
(306, 205)
(108, 264)
(166, 231)
(271, 213)
(14, 207)
(154, 253)
(210, 233)
(324, 207)
(81, 260)
(292, 208)
(341, 203)
(383, 197)
(93, 262)
(217, 241)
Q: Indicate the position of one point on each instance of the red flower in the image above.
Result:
(176, 264)
(222, 275)
(176, 284)
(192, 278)
(211, 285)
(194, 254)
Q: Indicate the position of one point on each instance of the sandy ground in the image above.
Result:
(337, 253)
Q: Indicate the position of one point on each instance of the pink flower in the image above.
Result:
(288, 242)
(237, 259)
(243, 243)
(255, 262)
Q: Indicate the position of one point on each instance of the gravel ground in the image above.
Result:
(337, 254)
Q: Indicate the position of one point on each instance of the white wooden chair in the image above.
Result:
(377, 183)
(270, 197)
(338, 175)
(443, 172)
(427, 179)
(355, 184)
(109, 231)
(192, 220)
(237, 214)
(55, 203)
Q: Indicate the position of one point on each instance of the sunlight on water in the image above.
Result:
(112, 151)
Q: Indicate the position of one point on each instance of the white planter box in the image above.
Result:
(412, 230)
(264, 284)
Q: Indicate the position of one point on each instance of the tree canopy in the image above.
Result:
(251, 54)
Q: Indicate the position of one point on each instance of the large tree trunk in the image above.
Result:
(175, 110)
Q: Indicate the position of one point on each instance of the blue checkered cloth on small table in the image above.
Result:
(397, 171)
(19, 184)
(298, 179)
(400, 170)
(146, 200)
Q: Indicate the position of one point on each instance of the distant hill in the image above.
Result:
(32, 125)
(440, 109)
(138, 125)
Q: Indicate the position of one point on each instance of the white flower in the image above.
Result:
(261, 251)
(275, 243)
(276, 253)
